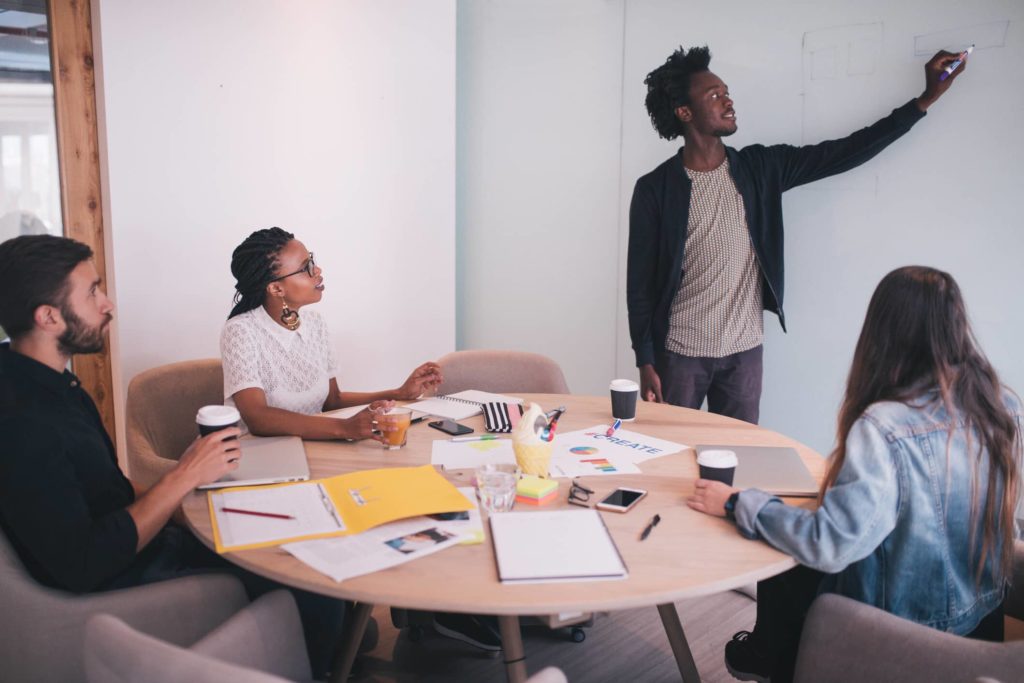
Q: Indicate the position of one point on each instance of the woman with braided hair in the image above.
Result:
(279, 367)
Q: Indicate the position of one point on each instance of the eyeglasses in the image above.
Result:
(579, 494)
(309, 268)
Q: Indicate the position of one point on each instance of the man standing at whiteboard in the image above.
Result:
(706, 238)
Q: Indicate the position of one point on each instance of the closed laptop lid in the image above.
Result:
(267, 460)
(777, 470)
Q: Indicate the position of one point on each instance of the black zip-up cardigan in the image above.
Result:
(660, 211)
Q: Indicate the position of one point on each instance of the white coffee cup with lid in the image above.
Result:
(718, 465)
(211, 419)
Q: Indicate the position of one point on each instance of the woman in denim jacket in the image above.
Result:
(916, 511)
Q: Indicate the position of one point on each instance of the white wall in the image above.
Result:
(945, 195)
(333, 120)
(538, 180)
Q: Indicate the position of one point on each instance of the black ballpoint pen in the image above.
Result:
(650, 525)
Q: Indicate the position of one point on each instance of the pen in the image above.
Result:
(948, 71)
(275, 515)
(481, 437)
(549, 433)
(650, 526)
(611, 430)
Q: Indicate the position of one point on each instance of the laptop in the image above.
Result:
(267, 460)
(777, 470)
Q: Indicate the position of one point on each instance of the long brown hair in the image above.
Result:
(916, 337)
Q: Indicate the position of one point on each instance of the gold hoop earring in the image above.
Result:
(289, 317)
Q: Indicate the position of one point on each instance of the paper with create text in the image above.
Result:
(623, 445)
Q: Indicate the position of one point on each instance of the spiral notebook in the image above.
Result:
(460, 405)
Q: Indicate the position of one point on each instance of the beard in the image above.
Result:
(79, 337)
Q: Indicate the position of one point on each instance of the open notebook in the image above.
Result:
(461, 405)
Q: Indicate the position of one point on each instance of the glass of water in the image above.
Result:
(496, 489)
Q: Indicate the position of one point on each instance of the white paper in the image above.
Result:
(309, 504)
(559, 545)
(387, 545)
(454, 455)
(623, 446)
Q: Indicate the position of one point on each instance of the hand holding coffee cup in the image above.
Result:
(717, 465)
(212, 419)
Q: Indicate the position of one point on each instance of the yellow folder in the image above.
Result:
(338, 506)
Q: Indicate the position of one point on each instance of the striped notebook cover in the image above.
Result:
(501, 417)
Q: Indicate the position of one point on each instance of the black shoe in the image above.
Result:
(743, 660)
(469, 629)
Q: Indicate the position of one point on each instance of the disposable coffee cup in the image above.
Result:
(717, 466)
(624, 395)
(212, 419)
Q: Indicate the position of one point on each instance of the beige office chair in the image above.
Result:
(501, 371)
(262, 643)
(42, 629)
(847, 641)
(161, 414)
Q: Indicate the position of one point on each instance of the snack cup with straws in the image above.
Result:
(533, 459)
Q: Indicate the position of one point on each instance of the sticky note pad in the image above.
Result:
(544, 500)
(535, 487)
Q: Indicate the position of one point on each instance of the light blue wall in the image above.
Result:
(552, 135)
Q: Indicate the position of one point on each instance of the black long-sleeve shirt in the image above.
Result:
(660, 210)
(63, 499)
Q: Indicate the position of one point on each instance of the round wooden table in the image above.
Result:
(689, 554)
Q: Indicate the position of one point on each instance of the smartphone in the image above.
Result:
(451, 427)
(621, 500)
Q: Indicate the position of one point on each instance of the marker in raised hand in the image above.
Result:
(948, 71)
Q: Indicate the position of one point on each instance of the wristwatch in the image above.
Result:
(730, 506)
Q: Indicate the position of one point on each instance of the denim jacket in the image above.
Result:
(894, 529)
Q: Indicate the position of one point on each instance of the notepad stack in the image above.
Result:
(536, 491)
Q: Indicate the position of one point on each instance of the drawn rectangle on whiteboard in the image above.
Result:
(839, 91)
(992, 34)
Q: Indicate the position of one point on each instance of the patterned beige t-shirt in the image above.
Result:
(718, 308)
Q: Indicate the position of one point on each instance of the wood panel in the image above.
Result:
(74, 90)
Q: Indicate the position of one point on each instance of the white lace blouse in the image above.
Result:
(293, 368)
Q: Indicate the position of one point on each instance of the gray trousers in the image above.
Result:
(732, 384)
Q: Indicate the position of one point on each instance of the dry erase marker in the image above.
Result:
(482, 437)
(611, 430)
(948, 71)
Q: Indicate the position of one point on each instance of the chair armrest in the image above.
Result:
(178, 611)
(266, 635)
(844, 640)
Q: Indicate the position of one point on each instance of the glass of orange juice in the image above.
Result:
(399, 419)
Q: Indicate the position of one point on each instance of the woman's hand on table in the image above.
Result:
(709, 497)
(423, 379)
(367, 423)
